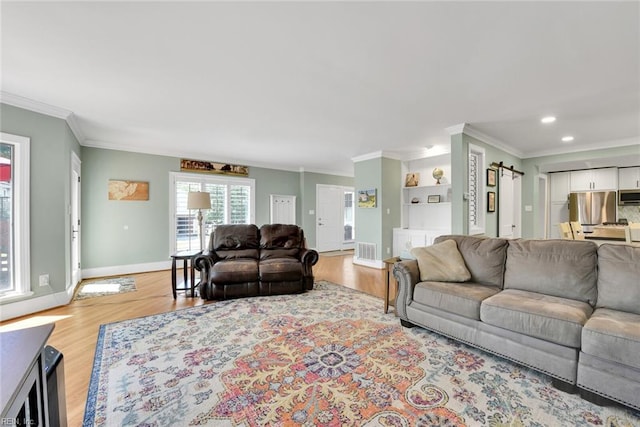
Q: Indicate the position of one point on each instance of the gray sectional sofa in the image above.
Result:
(569, 309)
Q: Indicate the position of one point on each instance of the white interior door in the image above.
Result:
(509, 199)
(283, 209)
(329, 218)
(76, 274)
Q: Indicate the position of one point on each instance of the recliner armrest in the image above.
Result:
(309, 256)
(205, 261)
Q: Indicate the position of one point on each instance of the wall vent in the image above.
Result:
(366, 251)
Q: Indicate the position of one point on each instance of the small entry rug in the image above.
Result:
(110, 286)
(327, 357)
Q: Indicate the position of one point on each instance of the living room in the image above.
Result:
(350, 117)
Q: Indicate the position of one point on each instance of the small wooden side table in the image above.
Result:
(188, 283)
(388, 263)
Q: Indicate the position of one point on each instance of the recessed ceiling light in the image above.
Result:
(567, 138)
(548, 119)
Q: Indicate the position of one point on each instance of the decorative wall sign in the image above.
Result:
(491, 177)
(128, 190)
(367, 198)
(491, 201)
(188, 165)
(433, 198)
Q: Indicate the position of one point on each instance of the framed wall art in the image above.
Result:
(367, 198)
(491, 201)
(412, 179)
(434, 198)
(128, 190)
(491, 177)
(187, 165)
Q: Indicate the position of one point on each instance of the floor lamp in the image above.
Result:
(199, 200)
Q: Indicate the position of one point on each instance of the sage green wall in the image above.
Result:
(532, 167)
(52, 143)
(460, 179)
(391, 202)
(308, 182)
(106, 242)
(272, 181)
(374, 225)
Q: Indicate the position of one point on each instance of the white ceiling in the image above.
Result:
(312, 85)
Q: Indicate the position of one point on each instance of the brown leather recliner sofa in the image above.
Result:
(242, 260)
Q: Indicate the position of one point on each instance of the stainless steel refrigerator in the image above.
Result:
(592, 208)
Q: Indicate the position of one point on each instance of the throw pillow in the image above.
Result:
(441, 262)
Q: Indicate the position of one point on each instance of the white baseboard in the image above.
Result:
(45, 302)
(369, 263)
(117, 270)
(34, 305)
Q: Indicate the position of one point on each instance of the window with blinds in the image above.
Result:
(476, 190)
(232, 202)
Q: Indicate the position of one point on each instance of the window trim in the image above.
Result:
(21, 217)
(480, 226)
(209, 179)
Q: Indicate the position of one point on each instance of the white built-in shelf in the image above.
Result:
(433, 187)
(427, 204)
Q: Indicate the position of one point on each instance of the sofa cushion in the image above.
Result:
(554, 319)
(441, 263)
(280, 236)
(459, 298)
(484, 257)
(234, 271)
(619, 278)
(235, 237)
(561, 268)
(280, 270)
(613, 335)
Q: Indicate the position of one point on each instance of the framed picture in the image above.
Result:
(188, 165)
(491, 177)
(434, 198)
(412, 179)
(128, 190)
(367, 198)
(491, 201)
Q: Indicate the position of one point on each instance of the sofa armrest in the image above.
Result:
(203, 264)
(309, 257)
(205, 260)
(407, 274)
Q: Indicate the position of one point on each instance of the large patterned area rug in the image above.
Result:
(326, 357)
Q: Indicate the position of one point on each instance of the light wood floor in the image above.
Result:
(77, 324)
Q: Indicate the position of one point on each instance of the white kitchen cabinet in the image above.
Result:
(594, 179)
(629, 178)
(559, 187)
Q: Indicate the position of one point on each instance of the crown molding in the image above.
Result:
(591, 147)
(469, 130)
(33, 105)
(46, 109)
(72, 121)
(377, 155)
(456, 129)
(495, 142)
